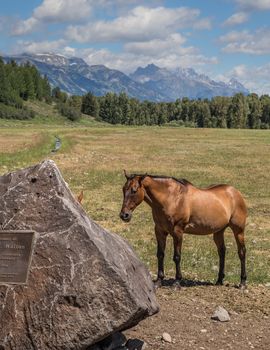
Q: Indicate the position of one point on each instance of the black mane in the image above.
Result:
(181, 181)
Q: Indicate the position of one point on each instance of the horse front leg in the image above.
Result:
(177, 243)
(161, 245)
(219, 240)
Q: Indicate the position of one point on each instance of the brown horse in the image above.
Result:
(179, 207)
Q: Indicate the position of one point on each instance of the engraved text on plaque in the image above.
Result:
(15, 256)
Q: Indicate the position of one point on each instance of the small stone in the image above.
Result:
(267, 284)
(232, 312)
(221, 315)
(135, 344)
(166, 337)
(203, 330)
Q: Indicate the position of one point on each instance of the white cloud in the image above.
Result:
(148, 34)
(53, 11)
(140, 24)
(40, 47)
(153, 47)
(257, 43)
(129, 61)
(202, 24)
(250, 5)
(235, 36)
(69, 51)
(25, 27)
(123, 5)
(237, 18)
(63, 10)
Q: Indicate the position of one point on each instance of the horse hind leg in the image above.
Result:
(219, 241)
(239, 235)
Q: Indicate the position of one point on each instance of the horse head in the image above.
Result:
(133, 193)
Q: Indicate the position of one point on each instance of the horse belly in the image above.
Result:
(199, 229)
(207, 221)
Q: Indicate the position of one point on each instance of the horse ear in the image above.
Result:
(142, 178)
(126, 174)
(80, 197)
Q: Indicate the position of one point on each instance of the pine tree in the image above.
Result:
(29, 92)
(4, 84)
(219, 109)
(237, 112)
(255, 111)
(90, 105)
(185, 109)
(46, 87)
(265, 117)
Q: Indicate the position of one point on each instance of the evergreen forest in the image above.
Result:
(22, 83)
(19, 84)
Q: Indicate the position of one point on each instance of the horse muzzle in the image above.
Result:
(125, 216)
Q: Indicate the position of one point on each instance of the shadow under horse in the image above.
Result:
(179, 207)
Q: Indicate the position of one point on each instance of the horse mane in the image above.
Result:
(181, 181)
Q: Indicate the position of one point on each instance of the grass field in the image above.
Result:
(92, 158)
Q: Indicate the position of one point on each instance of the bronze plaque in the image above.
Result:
(15, 256)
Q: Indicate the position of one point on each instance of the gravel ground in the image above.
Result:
(186, 315)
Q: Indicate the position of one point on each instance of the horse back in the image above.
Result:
(228, 195)
(216, 206)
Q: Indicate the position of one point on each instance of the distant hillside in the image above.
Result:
(75, 76)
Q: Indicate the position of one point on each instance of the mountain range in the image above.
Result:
(75, 76)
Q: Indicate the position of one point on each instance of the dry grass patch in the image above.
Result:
(12, 142)
(237, 157)
(94, 161)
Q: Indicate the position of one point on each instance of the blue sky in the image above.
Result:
(221, 38)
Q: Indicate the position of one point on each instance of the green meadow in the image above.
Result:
(92, 159)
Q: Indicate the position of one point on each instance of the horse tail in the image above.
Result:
(239, 209)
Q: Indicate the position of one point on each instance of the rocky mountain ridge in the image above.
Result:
(153, 83)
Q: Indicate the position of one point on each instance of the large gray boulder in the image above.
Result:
(84, 283)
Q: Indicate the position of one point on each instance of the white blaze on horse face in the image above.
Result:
(133, 195)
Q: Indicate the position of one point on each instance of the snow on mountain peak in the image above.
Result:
(75, 76)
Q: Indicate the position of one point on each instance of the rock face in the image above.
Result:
(84, 283)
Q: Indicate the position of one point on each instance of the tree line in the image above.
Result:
(239, 111)
(18, 84)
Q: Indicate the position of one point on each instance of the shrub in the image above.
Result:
(10, 112)
(70, 112)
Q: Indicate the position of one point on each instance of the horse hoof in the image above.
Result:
(176, 284)
(243, 287)
(158, 283)
(219, 283)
